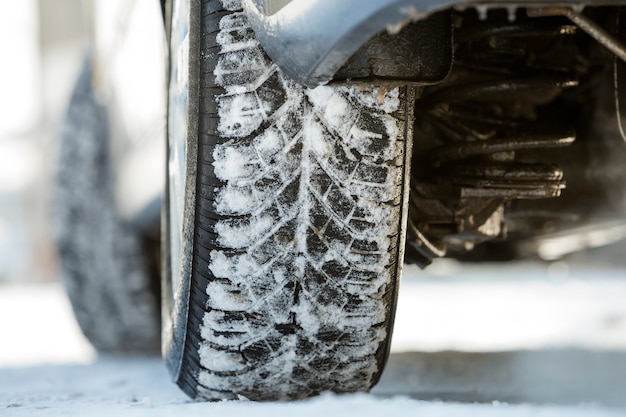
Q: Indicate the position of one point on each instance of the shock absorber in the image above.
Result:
(474, 132)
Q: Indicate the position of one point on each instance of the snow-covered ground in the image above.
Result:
(521, 340)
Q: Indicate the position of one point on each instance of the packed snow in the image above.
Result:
(297, 166)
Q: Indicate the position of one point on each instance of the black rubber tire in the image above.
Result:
(298, 232)
(109, 269)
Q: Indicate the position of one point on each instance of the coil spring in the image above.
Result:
(478, 121)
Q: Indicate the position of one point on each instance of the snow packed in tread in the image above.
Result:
(306, 215)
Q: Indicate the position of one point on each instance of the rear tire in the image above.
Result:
(108, 269)
(295, 211)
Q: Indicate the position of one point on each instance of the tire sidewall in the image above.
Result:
(175, 301)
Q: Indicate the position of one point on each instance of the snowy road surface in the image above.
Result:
(538, 341)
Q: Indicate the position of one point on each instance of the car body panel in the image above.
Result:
(311, 39)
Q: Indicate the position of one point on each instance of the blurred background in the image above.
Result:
(574, 303)
(42, 44)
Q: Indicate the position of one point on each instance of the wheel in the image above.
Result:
(284, 219)
(104, 263)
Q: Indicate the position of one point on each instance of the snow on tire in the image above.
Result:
(113, 291)
(299, 229)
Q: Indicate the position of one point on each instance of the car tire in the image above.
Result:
(284, 247)
(110, 270)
